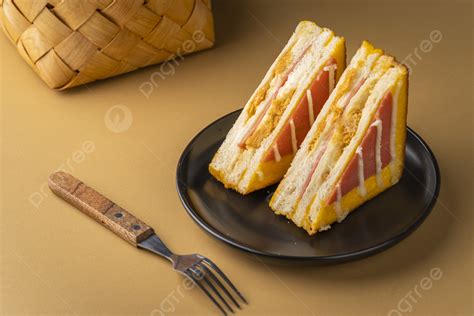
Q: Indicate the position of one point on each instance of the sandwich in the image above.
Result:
(354, 150)
(260, 146)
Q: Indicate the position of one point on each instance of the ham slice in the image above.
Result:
(292, 135)
(350, 177)
(323, 148)
(385, 115)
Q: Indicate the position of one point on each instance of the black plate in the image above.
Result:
(248, 223)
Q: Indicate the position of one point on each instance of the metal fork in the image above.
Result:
(199, 269)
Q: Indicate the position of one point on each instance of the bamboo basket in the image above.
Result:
(73, 42)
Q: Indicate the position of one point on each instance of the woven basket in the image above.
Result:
(72, 42)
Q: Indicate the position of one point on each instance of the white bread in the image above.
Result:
(331, 144)
(307, 51)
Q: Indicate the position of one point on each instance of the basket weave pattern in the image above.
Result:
(72, 42)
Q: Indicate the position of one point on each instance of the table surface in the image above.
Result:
(55, 260)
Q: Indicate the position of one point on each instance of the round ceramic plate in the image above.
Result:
(248, 223)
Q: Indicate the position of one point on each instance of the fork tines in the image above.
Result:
(202, 274)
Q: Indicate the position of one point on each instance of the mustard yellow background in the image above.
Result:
(57, 261)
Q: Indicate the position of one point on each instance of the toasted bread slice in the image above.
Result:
(355, 149)
(260, 146)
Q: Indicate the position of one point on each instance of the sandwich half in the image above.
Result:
(259, 148)
(354, 150)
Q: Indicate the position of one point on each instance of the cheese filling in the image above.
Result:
(362, 188)
(378, 156)
(332, 76)
(294, 142)
(276, 152)
(310, 107)
(339, 211)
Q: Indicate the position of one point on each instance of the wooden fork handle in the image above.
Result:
(97, 206)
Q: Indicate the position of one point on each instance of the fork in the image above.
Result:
(197, 268)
